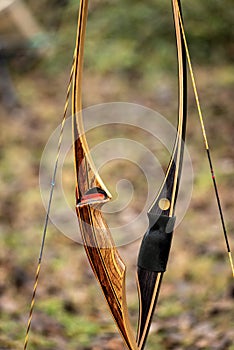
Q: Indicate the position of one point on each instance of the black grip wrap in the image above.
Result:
(156, 244)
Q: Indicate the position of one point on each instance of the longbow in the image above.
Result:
(155, 246)
(91, 194)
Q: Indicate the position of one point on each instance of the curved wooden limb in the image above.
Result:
(156, 243)
(91, 194)
(107, 266)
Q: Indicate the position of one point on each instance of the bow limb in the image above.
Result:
(155, 246)
(91, 194)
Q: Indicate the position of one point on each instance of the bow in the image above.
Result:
(91, 194)
(155, 246)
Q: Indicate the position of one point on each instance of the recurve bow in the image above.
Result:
(91, 194)
(156, 243)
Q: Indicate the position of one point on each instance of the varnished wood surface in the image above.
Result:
(107, 266)
(103, 256)
(149, 282)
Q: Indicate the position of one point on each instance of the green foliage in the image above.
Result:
(170, 309)
(77, 328)
(135, 37)
(209, 24)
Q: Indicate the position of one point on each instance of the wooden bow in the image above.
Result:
(156, 243)
(91, 194)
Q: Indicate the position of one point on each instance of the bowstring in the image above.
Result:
(207, 148)
(56, 167)
(45, 227)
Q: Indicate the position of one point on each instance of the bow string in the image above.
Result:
(92, 194)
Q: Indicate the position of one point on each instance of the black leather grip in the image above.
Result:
(156, 244)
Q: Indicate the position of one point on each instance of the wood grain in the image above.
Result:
(107, 266)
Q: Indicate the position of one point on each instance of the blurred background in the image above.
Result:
(130, 56)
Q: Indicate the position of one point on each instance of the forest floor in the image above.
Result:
(195, 308)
